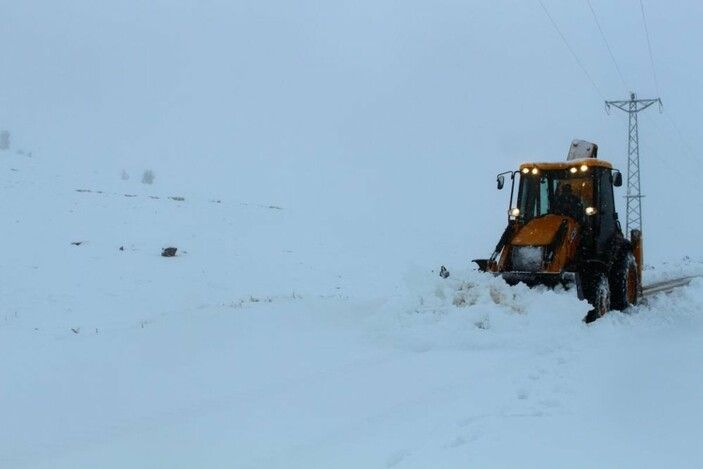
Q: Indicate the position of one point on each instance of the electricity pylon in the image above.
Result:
(634, 195)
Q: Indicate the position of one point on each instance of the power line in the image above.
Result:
(607, 45)
(649, 46)
(679, 135)
(682, 141)
(685, 175)
(568, 46)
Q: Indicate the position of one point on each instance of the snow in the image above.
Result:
(278, 338)
(527, 258)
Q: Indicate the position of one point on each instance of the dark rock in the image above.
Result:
(443, 272)
(169, 252)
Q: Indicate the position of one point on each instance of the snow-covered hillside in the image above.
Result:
(275, 340)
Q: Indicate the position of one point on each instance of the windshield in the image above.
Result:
(555, 192)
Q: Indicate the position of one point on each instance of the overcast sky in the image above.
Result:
(376, 108)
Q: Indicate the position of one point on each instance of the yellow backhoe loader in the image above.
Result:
(563, 229)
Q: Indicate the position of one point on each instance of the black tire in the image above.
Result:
(597, 291)
(624, 288)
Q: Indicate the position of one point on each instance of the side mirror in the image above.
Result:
(501, 181)
(617, 179)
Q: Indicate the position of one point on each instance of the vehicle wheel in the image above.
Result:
(623, 282)
(598, 294)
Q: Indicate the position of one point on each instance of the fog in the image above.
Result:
(368, 116)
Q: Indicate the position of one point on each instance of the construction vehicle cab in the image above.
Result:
(563, 229)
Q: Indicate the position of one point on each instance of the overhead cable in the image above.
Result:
(568, 46)
(607, 44)
(649, 47)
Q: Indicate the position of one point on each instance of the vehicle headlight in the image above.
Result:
(525, 170)
(535, 170)
(584, 168)
(590, 211)
(514, 212)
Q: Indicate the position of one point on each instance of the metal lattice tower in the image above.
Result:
(634, 194)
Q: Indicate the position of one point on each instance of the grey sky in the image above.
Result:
(386, 111)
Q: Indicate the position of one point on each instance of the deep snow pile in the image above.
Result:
(268, 342)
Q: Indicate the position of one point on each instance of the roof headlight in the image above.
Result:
(584, 168)
(535, 171)
(590, 211)
(573, 170)
(525, 170)
(514, 212)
